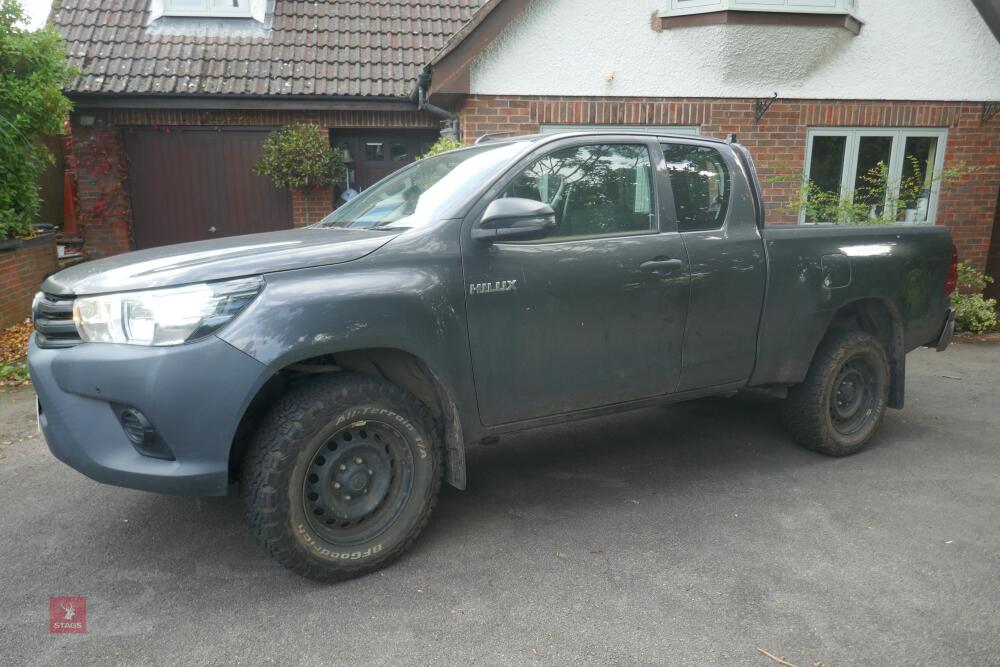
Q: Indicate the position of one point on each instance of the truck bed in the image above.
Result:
(815, 271)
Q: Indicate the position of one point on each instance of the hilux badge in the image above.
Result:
(489, 288)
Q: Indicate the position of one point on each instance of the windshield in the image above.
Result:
(422, 192)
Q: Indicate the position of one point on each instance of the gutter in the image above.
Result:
(209, 101)
(419, 97)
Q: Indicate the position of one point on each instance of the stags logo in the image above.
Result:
(67, 614)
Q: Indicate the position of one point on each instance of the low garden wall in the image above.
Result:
(23, 266)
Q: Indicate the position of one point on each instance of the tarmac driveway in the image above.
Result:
(687, 535)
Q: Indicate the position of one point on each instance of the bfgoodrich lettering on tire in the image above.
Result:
(342, 476)
(838, 408)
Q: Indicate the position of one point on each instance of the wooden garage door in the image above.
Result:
(194, 184)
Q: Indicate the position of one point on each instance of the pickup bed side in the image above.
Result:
(876, 275)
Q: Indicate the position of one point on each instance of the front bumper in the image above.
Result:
(947, 332)
(194, 395)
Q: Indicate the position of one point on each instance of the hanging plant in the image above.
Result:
(299, 157)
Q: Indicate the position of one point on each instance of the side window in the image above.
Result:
(700, 181)
(604, 189)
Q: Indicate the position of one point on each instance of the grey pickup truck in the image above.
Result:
(334, 374)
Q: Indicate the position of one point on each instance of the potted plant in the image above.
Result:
(299, 157)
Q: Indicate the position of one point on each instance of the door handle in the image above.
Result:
(657, 265)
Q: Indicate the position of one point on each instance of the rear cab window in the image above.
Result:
(701, 183)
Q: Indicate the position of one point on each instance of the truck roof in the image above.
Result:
(501, 137)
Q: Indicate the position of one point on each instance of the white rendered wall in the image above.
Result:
(907, 50)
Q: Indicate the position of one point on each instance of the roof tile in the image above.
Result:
(339, 47)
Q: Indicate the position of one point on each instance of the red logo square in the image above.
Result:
(67, 614)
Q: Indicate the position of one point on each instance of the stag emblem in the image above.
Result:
(69, 611)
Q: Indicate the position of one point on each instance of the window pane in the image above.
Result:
(187, 4)
(871, 177)
(374, 151)
(399, 152)
(826, 168)
(700, 182)
(919, 158)
(594, 190)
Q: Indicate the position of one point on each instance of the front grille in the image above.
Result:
(53, 316)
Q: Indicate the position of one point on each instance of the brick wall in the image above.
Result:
(104, 212)
(98, 159)
(22, 270)
(778, 142)
(308, 206)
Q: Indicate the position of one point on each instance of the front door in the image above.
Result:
(593, 314)
(377, 153)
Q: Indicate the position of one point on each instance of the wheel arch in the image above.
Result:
(404, 369)
(878, 317)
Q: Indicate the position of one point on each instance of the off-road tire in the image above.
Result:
(297, 432)
(814, 410)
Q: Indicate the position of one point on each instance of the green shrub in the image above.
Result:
(33, 70)
(973, 312)
(16, 372)
(298, 156)
(442, 145)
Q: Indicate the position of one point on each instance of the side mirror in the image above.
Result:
(515, 219)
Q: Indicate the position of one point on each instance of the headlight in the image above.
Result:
(163, 316)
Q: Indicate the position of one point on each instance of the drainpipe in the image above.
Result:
(419, 97)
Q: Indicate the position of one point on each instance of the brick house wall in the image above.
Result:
(22, 270)
(778, 142)
(99, 163)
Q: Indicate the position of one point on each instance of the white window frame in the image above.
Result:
(687, 7)
(896, 159)
(209, 10)
(656, 129)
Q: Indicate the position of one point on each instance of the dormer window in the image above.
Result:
(210, 8)
(679, 7)
(818, 13)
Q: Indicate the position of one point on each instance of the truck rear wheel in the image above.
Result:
(342, 476)
(838, 408)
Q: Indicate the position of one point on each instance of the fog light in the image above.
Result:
(141, 433)
(136, 426)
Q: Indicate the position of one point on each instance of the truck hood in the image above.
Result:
(229, 257)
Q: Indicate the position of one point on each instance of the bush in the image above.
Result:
(973, 312)
(14, 373)
(442, 145)
(298, 156)
(33, 70)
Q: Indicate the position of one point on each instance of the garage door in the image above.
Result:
(194, 184)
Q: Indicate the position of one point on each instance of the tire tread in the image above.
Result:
(804, 410)
(293, 419)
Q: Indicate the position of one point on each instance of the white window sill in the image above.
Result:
(208, 15)
(670, 13)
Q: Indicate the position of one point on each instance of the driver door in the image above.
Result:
(593, 314)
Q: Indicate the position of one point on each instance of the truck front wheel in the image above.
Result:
(838, 408)
(342, 476)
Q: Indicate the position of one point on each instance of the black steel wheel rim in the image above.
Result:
(357, 483)
(854, 395)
